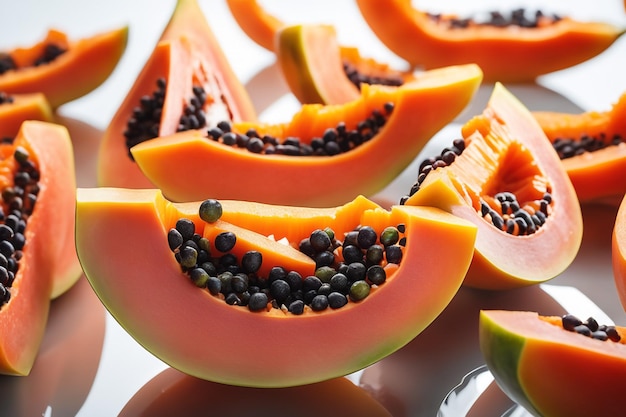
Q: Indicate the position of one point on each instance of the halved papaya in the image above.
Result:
(60, 68)
(504, 176)
(366, 142)
(317, 69)
(174, 393)
(15, 108)
(591, 147)
(185, 84)
(38, 257)
(541, 362)
(269, 332)
(514, 49)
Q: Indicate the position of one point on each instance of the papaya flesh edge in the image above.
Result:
(595, 175)
(507, 134)
(49, 260)
(504, 55)
(618, 252)
(544, 367)
(33, 106)
(111, 223)
(421, 108)
(84, 66)
(187, 52)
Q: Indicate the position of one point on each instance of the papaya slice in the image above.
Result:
(293, 163)
(185, 84)
(15, 108)
(316, 68)
(61, 68)
(501, 173)
(38, 187)
(539, 361)
(172, 392)
(181, 320)
(590, 145)
(515, 49)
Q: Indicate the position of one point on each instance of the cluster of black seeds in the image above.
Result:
(5, 98)
(336, 281)
(18, 203)
(507, 215)
(590, 328)
(6, 63)
(568, 148)
(518, 17)
(146, 118)
(334, 140)
(512, 218)
(50, 52)
(445, 158)
(357, 77)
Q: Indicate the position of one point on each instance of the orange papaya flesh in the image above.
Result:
(172, 392)
(185, 83)
(505, 53)
(60, 68)
(38, 188)
(113, 222)
(541, 365)
(590, 145)
(318, 70)
(618, 252)
(15, 108)
(420, 109)
(257, 23)
(507, 161)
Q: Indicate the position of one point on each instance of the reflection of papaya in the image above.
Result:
(85, 140)
(413, 381)
(67, 361)
(403, 381)
(174, 393)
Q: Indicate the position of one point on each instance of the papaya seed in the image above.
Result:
(359, 290)
(590, 328)
(225, 241)
(210, 210)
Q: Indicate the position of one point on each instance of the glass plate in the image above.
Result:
(478, 395)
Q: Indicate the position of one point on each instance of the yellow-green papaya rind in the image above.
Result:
(422, 107)
(122, 245)
(551, 371)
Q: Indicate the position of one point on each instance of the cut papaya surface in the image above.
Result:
(373, 139)
(61, 68)
(186, 83)
(15, 108)
(38, 244)
(539, 363)
(506, 50)
(505, 177)
(315, 343)
(591, 147)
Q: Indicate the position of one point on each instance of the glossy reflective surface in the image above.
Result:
(90, 367)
